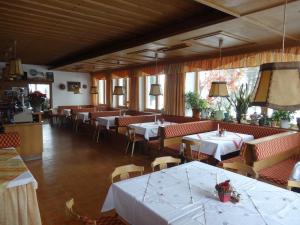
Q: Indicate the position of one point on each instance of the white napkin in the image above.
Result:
(296, 172)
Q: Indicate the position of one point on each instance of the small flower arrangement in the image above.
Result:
(224, 191)
(36, 98)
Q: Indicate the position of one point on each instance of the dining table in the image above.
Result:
(108, 121)
(18, 199)
(84, 116)
(215, 145)
(186, 194)
(149, 129)
(67, 112)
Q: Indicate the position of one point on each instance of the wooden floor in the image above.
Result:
(74, 166)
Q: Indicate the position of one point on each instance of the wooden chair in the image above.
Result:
(55, 117)
(241, 168)
(103, 220)
(132, 139)
(162, 162)
(293, 184)
(190, 155)
(123, 171)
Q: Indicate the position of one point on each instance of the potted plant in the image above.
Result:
(36, 100)
(227, 111)
(196, 103)
(285, 118)
(240, 101)
(224, 191)
(276, 116)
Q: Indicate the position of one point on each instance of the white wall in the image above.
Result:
(63, 97)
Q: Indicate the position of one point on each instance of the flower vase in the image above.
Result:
(224, 196)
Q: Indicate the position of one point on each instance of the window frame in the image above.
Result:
(146, 94)
(126, 96)
(103, 93)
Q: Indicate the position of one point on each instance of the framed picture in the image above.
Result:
(50, 76)
(71, 85)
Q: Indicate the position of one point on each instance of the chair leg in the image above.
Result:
(98, 134)
(132, 150)
(127, 146)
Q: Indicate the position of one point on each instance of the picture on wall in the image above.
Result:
(72, 85)
(50, 76)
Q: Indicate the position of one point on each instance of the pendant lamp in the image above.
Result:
(118, 90)
(278, 83)
(155, 89)
(15, 64)
(219, 88)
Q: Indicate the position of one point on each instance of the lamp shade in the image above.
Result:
(218, 89)
(94, 90)
(15, 67)
(155, 90)
(118, 90)
(278, 86)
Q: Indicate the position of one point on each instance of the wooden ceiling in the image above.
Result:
(93, 35)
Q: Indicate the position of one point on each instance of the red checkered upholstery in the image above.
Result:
(94, 115)
(137, 113)
(256, 131)
(178, 130)
(125, 121)
(275, 146)
(103, 220)
(280, 172)
(11, 139)
(179, 119)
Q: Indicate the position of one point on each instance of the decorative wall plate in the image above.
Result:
(62, 86)
(84, 86)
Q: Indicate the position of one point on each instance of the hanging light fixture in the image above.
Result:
(118, 90)
(94, 90)
(219, 88)
(155, 89)
(278, 84)
(15, 64)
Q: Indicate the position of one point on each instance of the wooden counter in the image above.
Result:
(31, 139)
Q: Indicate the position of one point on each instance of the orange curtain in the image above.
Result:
(174, 90)
(109, 91)
(245, 60)
(134, 90)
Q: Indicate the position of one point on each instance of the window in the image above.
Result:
(154, 102)
(45, 89)
(121, 100)
(101, 92)
(201, 82)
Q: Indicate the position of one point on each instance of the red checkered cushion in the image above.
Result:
(125, 121)
(275, 146)
(179, 119)
(11, 139)
(256, 131)
(94, 115)
(280, 172)
(103, 220)
(178, 130)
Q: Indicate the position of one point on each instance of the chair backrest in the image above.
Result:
(123, 171)
(293, 184)
(162, 162)
(240, 168)
(189, 147)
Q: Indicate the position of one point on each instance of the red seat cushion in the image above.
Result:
(280, 172)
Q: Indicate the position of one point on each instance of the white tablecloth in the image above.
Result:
(108, 121)
(218, 146)
(148, 130)
(167, 199)
(67, 112)
(83, 116)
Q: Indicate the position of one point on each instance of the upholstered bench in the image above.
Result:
(10, 139)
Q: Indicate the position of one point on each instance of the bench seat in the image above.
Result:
(280, 172)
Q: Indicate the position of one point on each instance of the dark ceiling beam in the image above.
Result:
(209, 17)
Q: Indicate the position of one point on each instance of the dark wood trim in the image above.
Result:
(210, 17)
